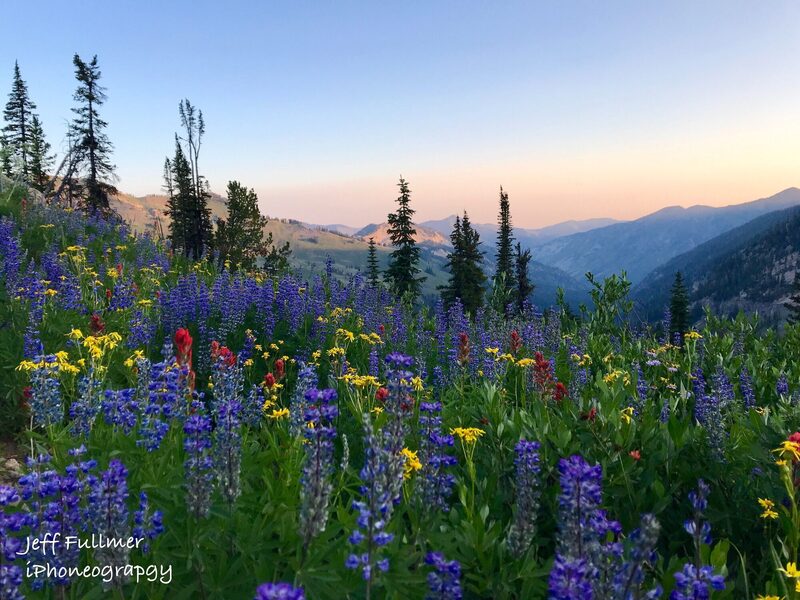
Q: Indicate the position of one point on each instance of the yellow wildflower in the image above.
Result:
(467, 435)
(411, 463)
(416, 383)
(524, 362)
(768, 506)
(492, 351)
(791, 570)
(75, 334)
(692, 335)
(626, 414)
(789, 449)
(279, 413)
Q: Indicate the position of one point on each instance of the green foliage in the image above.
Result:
(678, 308)
(402, 273)
(92, 145)
(464, 264)
(373, 272)
(504, 272)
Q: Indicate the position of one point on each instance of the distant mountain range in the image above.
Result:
(738, 256)
(640, 246)
(751, 267)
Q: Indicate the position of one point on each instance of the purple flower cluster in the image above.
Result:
(746, 387)
(318, 463)
(84, 409)
(199, 465)
(45, 400)
(444, 581)
(695, 580)
(528, 491)
(436, 483)
(279, 591)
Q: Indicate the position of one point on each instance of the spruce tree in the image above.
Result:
(373, 273)
(523, 288)
(18, 115)
(180, 200)
(404, 261)
(240, 238)
(464, 263)
(679, 309)
(92, 144)
(200, 232)
(793, 304)
(504, 269)
(452, 290)
(41, 161)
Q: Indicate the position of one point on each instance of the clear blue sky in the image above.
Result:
(579, 109)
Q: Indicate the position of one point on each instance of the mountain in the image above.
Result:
(313, 244)
(751, 267)
(640, 246)
(528, 237)
(424, 237)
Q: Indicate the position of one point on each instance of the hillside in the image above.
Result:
(640, 246)
(312, 245)
(751, 267)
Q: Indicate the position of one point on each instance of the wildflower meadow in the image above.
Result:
(196, 432)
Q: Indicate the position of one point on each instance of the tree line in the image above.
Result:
(85, 178)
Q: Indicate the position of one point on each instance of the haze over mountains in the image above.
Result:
(710, 245)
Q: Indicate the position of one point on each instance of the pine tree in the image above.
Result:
(504, 269)
(18, 115)
(41, 161)
(524, 287)
(404, 261)
(240, 239)
(180, 200)
(793, 304)
(679, 308)
(92, 144)
(200, 232)
(373, 273)
(452, 290)
(464, 263)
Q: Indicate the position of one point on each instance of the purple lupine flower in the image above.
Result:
(722, 387)
(695, 580)
(45, 401)
(148, 524)
(570, 579)
(318, 464)
(199, 465)
(375, 509)
(528, 491)
(628, 580)
(84, 409)
(580, 498)
(167, 385)
(436, 483)
(108, 515)
(782, 386)
(120, 409)
(279, 591)
(746, 387)
(444, 581)
(696, 583)
(306, 380)
(227, 408)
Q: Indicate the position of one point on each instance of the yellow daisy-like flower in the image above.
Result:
(763, 597)
(267, 405)
(335, 352)
(492, 351)
(768, 506)
(626, 414)
(376, 410)
(279, 413)
(411, 463)
(692, 335)
(416, 383)
(524, 362)
(467, 435)
(788, 450)
(791, 571)
(248, 362)
(75, 334)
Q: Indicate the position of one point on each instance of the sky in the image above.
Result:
(579, 109)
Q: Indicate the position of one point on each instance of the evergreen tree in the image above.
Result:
(504, 269)
(180, 200)
(41, 160)
(240, 239)
(464, 263)
(18, 115)
(793, 304)
(679, 309)
(524, 287)
(92, 144)
(452, 290)
(373, 272)
(199, 229)
(404, 262)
